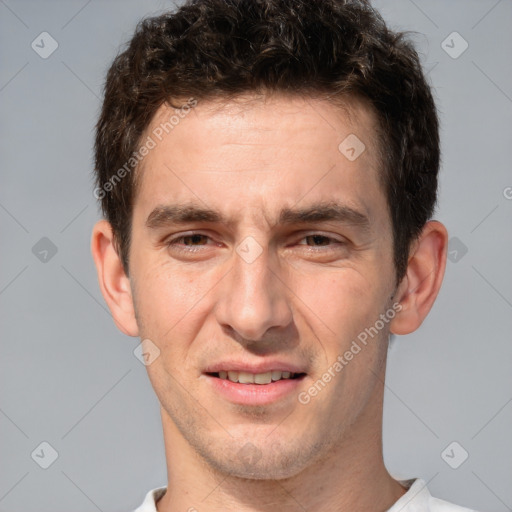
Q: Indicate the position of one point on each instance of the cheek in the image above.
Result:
(163, 298)
(173, 304)
(340, 303)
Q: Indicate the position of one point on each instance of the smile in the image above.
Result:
(255, 378)
(255, 389)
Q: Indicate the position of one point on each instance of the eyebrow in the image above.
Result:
(331, 211)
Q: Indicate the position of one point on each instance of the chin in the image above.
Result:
(276, 461)
(262, 470)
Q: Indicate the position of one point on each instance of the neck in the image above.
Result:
(352, 477)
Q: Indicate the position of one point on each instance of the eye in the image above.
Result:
(319, 240)
(198, 242)
(188, 242)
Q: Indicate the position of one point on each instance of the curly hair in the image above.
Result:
(211, 49)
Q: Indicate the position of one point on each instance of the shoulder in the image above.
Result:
(437, 505)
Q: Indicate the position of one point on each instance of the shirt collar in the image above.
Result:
(416, 497)
(149, 503)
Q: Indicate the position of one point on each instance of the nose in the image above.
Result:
(253, 299)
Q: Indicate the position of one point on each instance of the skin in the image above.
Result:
(303, 300)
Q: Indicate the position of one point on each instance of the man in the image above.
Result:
(268, 173)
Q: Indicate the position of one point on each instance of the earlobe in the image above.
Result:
(422, 282)
(114, 284)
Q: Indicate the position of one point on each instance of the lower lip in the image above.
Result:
(255, 394)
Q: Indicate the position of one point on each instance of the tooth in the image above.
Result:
(246, 378)
(233, 376)
(263, 378)
(286, 375)
(276, 375)
(223, 375)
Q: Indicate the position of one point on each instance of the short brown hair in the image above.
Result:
(210, 49)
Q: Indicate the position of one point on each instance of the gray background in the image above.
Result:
(69, 378)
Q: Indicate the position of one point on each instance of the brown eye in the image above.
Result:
(190, 242)
(318, 240)
(192, 239)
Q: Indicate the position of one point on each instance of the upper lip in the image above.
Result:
(257, 367)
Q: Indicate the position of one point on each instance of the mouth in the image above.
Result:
(249, 388)
(255, 378)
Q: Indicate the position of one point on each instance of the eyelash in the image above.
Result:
(173, 242)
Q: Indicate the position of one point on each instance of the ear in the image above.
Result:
(420, 286)
(114, 284)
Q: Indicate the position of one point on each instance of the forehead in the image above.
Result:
(266, 121)
(260, 153)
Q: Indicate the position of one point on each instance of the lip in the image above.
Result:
(260, 367)
(255, 394)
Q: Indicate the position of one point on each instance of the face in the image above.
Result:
(261, 256)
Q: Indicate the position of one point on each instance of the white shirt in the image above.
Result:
(416, 499)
